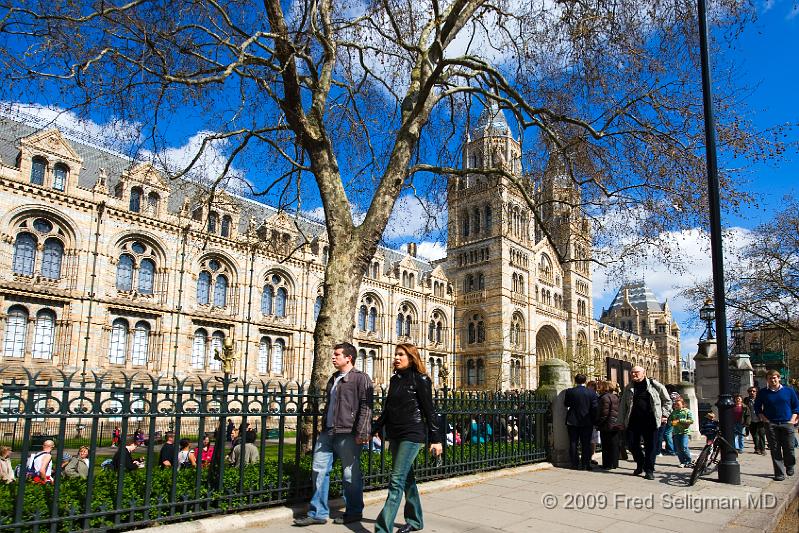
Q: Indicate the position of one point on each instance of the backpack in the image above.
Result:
(30, 470)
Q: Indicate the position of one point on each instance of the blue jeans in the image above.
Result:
(739, 437)
(328, 447)
(681, 447)
(668, 437)
(403, 453)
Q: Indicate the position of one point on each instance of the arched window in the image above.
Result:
(471, 372)
(373, 319)
(465, 216)
(405, 317)
(476, 220)
(119, 342)
(44, 335)
(59, 176)
(51, 259)
(24, 254)
(375, 270)
(431, 331)
(280, 302)
(362, 318)
(16, 332)
(38, 167)
(404, 278)
(277, 359)
(489, 218)
(153, 201)
(517, 331)
(198, 349)
(264, 349)
(125, 273)
(370, 363)
(213, 222)
(141, 343)
(135, 199)
(275, 291)
(220, 291)
(481, 281)
(367, 314)
(267, 300)
(476, 329)
(203, 288)
(146, 276)
(439, 333)
(217, 345)
(359, 361)
(481, 372)
(227, 222)
(317, 307)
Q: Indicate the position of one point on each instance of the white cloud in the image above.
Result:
(693, 263)
(431, 250)
(208, 167)
(413, 217)
(117, 135)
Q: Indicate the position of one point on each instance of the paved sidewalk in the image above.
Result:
(543, 498)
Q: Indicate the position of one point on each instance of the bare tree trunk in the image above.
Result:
(343, 276)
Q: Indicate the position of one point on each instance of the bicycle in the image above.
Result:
(708, 458)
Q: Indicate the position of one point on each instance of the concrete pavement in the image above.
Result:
(540, 497)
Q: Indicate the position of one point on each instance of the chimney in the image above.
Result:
(412, 249)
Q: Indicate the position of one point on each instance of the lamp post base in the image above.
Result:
(730, 473)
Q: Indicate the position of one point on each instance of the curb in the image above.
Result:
(248, 519)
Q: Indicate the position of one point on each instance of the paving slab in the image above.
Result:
(543, 498)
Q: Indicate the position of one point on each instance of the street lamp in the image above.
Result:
(707, 314)
(729, 469)
(737, 337)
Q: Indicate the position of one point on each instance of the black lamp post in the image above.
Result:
(707, 314)
(729, 469)
(737, 337)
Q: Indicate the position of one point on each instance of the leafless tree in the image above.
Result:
(370, 99)
(762, 280)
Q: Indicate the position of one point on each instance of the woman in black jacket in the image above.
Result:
(409, 420)
(608, 424)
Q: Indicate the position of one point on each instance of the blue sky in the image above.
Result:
(767, 59)
(767, 56)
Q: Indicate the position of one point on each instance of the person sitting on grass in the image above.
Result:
(78, 466)
(123, 458)
(680, 421)
(6, 472)
(186, 457)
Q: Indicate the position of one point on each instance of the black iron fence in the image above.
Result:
(483, 431)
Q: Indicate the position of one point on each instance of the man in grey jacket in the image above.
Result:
(347, 427)
(645, 405)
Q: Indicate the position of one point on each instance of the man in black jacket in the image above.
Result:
(347, 427)
(581, 405)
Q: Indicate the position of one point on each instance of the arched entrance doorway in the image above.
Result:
(548, 344)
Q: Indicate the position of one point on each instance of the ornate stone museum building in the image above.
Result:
(107, 265)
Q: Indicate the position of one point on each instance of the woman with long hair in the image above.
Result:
(408, 421)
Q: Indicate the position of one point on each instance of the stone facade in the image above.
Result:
(106, 265)
(636, 311)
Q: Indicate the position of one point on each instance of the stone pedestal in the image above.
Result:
(686, 390)
(554, 379)
(706, 377)
(742, 374)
